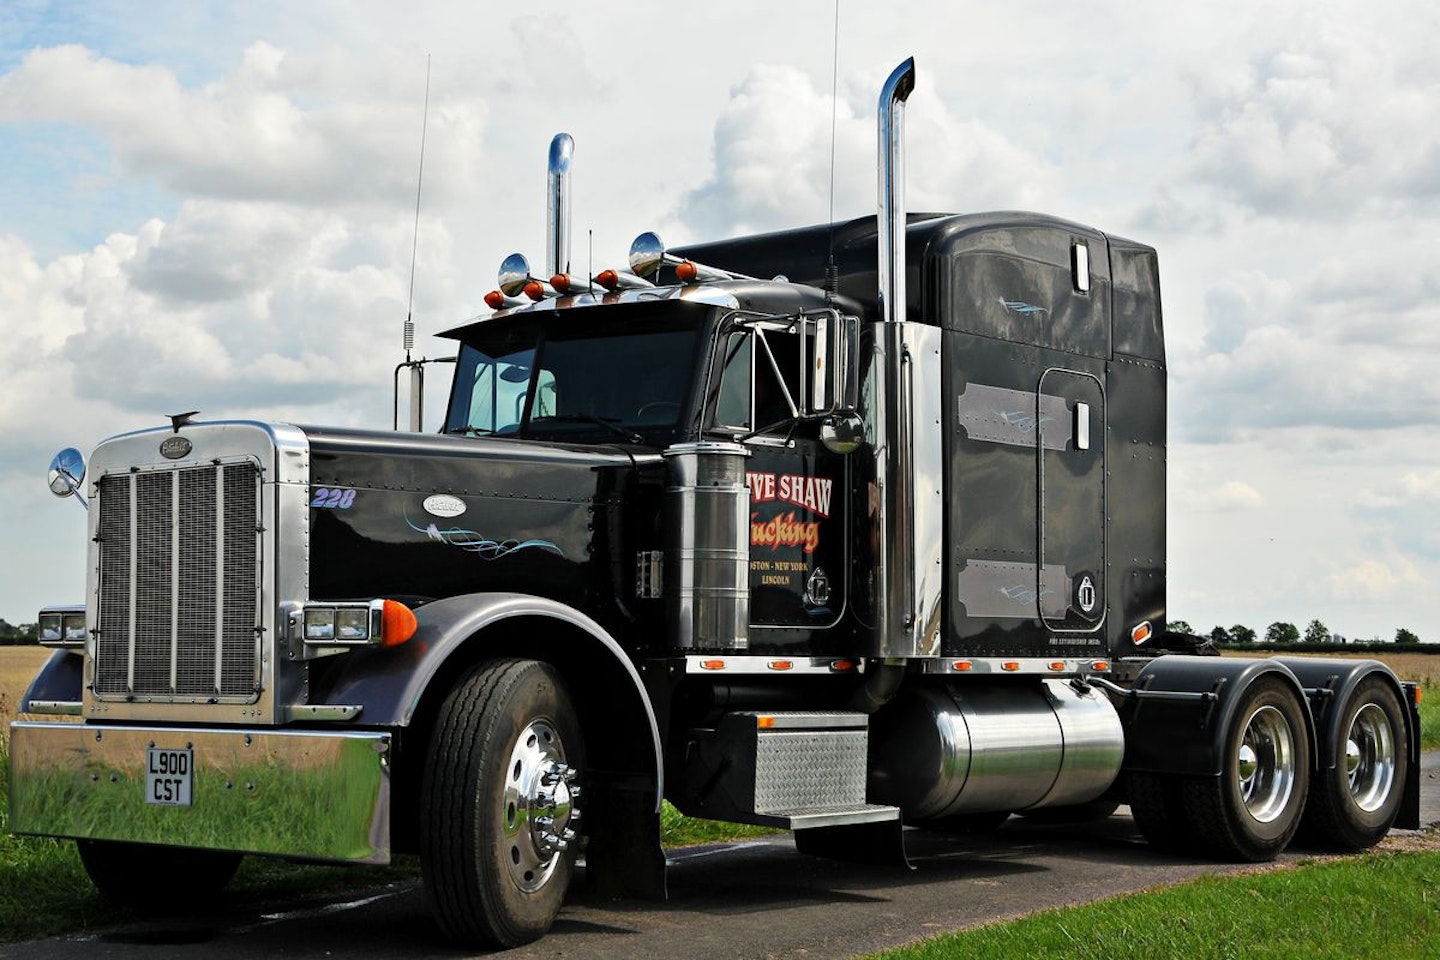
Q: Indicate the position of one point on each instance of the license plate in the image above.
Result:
(169, 774)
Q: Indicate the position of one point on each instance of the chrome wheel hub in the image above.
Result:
(1265, 764)
(538, 813)
(1370, 758)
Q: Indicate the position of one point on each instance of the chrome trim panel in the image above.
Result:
(1000, 415)
(55, 708)
(731, 664)
(908, 524)
(1023, 666)
(77, 780)
(1011, 590)
(707, 556)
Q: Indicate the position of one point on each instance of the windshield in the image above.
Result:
(592, 375)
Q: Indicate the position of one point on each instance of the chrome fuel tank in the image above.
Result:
(945, 749)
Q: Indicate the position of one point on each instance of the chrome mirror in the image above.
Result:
(514, 274)
(67, 472)
(842, 433)
(647, 253)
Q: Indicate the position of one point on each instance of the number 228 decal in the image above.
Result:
(333, 498)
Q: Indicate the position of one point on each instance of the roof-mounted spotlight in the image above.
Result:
(648, 255)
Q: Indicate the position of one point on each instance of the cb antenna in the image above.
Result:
(832, 273)
(415, 241)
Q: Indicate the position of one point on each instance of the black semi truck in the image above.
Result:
(842, 530)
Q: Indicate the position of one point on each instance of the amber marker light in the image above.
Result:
(397, 623)
(1100, 666)
(1057, 665)
(1141, 633)
(608, 279)
(494, 299)
(712, 664)
(841, 666)
(781, 664)
(561, 282)
(535, 290)
(964, 666)
(764, 723)
(686, 272)
(1011, 665)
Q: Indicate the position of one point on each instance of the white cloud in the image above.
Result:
(1376, 580)
(1330, 124)
(250, 134)
(1230, 496)
(772, 159)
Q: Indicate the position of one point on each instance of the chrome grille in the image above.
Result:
(179, 579)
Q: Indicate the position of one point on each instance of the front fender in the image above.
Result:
(390, 685)
(61, 679)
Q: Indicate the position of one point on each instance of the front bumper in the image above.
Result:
(323, 796)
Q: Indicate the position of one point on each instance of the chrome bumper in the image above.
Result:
(323, 796)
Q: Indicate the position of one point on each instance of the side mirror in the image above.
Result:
(67, 472)
(833, 377)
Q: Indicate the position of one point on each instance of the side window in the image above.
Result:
(732, 406)
(761, 378)
(498, 398)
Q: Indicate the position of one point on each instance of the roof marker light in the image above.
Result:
(613, 280)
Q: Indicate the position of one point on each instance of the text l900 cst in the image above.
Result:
(169, 775)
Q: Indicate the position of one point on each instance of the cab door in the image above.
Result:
(798, 489)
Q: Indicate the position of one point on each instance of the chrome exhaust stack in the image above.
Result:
(557, 220)
(890, 226)
(907, 525)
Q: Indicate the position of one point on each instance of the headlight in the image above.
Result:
(385, 623)
(62, 626)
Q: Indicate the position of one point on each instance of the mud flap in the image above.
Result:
(879, 843)
(623, 856)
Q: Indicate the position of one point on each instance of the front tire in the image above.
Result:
(1252, 810)
(498, 798)
(1354, 804)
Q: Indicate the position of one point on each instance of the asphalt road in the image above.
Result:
(755, 899)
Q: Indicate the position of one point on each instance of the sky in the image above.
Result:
(212, 206)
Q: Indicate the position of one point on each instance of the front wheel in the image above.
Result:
(1354, 804)
(1252, 810)
(499, 800)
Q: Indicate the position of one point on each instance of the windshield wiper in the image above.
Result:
(610, 425)
(470, 431)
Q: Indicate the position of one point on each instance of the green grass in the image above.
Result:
(1380, 905)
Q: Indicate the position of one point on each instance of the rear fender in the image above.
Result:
(1187, 736)
(1340, 678)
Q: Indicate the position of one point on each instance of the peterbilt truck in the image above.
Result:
(846, 530)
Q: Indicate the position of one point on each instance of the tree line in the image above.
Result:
(11, 634)
(1283, 633)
